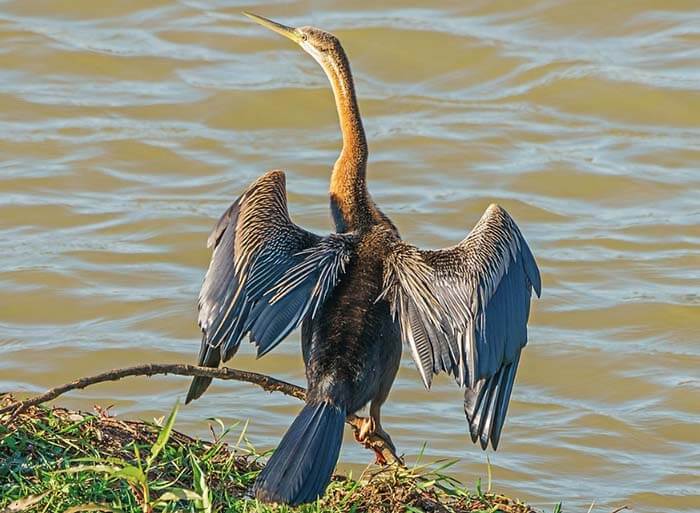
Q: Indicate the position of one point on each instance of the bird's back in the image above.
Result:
(348, 346)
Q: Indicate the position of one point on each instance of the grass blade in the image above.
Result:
(164, 435)
(201, 486)
(24, 503)
(92, 507)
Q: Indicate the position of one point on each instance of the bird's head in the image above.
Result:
(321, 45)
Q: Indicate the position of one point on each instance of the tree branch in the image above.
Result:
(383, 448)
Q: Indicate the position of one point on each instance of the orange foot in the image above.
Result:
(367, 428)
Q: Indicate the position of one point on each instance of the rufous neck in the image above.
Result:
(348, 186)
(354, 141)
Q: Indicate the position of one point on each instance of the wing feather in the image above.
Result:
(464, 310)
(266, 275)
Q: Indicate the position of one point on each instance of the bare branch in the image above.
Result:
(621, 508)
(382, 448)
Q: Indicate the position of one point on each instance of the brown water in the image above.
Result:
(126, 128)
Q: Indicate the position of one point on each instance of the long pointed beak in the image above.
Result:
(288, 32)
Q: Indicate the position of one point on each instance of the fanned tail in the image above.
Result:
(302, 465)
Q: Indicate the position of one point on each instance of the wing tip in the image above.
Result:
(532, 271)
(486, 406)
(495, 207)
(538, 289)
(481, 435)
(198, 386)
(274, 174)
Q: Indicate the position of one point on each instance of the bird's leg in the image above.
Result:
(371, 426)
(375, 415)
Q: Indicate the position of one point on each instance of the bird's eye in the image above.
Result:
(304, 37)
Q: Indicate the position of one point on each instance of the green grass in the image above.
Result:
(55, 460)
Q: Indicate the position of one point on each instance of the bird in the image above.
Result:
(359, 295)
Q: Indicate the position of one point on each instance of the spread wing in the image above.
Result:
(266, 275)
(464, 310)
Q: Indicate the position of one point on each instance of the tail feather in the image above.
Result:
(301, 468)
(486, 405)
(208, 357)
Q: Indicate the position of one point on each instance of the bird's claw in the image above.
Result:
(367, 429)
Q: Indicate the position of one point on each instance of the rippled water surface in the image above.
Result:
(126, 128)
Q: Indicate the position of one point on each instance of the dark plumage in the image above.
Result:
(358, 294)
(301, 467)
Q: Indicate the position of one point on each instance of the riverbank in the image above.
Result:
(56, 460)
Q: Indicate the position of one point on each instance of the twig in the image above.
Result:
(621, 508)
(268, 383)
